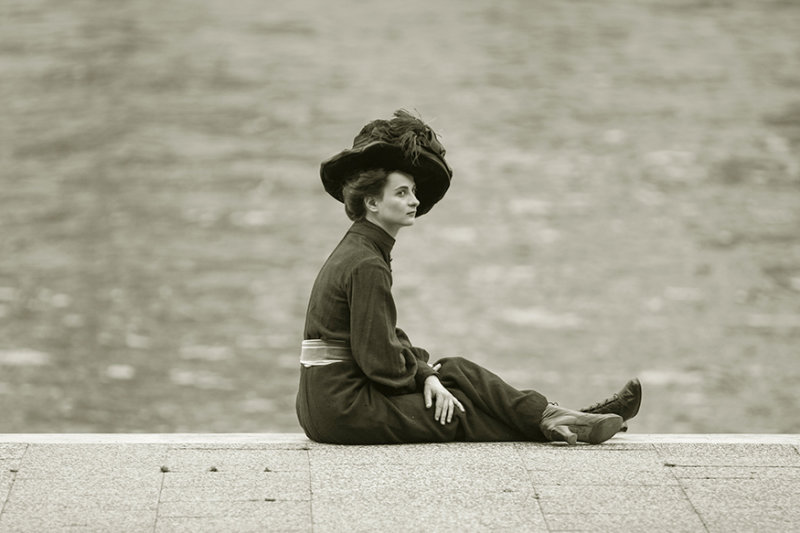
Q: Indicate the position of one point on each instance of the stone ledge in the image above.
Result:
(299, 438)
(284, 482)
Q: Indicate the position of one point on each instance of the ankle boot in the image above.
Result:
(560, 424)
(625, 403)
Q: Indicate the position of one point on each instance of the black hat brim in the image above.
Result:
(431, 174)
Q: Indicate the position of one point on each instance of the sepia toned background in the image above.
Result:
(626, 201)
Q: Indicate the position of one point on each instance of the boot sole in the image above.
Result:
(604, 430)
(636, 389)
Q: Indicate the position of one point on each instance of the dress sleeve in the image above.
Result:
(376, 347)
(424, 370)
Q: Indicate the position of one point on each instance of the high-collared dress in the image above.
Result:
(377, 396)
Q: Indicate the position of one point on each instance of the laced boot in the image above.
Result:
(624, 403)
(560, 424)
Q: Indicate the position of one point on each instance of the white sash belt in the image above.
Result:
(317, 352)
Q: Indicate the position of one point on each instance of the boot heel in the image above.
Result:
(564, 433)
(604, 429)
(570, 426)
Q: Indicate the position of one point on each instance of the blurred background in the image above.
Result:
(626, 201)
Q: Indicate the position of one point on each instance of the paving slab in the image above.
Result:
(603, 477)
(235, 516)
(238, 460)
(460, 479)
(596, 465)
(6, 481)
(644, 521)
(746, 505)
(73, 520)
(735, 454)
(280, 440)
(95, 492)
(235, 509)
(585, 457)
(12, 451)
(747, 520)
(442, 511)
(247, 482)
(235, 486)
(76, 460)
(10, 460)
(279, 522)
(736, 472)
(422, 455)
(559, 499)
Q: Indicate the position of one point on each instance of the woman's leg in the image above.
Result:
(519, 410)
(355, 411)
(333, 408)
(410, 421)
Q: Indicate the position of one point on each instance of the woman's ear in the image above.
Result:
(371, 203)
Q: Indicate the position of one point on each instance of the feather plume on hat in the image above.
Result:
(403, 143)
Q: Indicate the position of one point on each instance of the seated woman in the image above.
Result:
(361, 379)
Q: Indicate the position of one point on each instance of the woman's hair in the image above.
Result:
(360, 186)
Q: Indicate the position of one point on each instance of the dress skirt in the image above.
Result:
(337, 403)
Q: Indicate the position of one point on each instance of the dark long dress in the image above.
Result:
(377, 397)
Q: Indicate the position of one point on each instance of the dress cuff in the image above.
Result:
(424, 371)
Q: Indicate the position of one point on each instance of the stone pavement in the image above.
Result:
(283, 482)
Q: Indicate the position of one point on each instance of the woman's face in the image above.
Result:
(397, 207)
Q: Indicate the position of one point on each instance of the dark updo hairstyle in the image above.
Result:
(359, 187)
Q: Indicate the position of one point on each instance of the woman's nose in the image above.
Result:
(413, 200)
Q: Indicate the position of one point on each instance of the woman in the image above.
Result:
(362, 381)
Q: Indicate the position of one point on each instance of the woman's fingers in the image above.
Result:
(437, 366)
(445, 402)
(446, 408)
(460, 406)
(442, 402)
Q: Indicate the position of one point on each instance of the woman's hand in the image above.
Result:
(446, 403)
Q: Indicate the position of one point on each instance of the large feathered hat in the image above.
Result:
(403, 143)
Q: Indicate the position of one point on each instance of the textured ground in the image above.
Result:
(626, 201)
(163, 483)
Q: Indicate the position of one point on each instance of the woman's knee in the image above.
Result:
(456, 360)
(458, 365)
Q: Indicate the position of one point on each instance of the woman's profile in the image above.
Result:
(362, 381)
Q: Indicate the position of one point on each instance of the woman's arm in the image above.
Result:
(382, 351)
(374, 341)
(424, 371)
